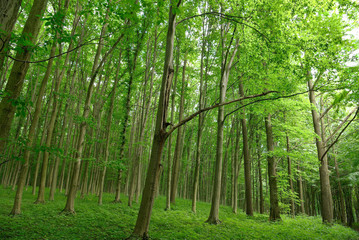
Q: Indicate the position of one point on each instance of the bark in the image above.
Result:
(326, 194)
(274, 214)
(154, 168)
(17, 75)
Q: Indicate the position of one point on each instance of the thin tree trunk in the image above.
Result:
(214, 213)
(349, 206)
(169, 146)
(290, 178)
(108, 129)
(236, 169)
(261, 197)
(178, 148)
(246, 159)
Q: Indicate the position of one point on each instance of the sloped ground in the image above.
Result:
(115, 221)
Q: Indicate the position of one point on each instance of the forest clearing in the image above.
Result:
(179, 119)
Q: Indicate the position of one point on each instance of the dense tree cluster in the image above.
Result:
(251, 104)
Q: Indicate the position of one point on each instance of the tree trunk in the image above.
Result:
(17, 74)
(8, 15)
(326, 194)
(300, 190)
(292, 210)
(274, 214)
(154, 168)
(246, 159)
(236, 169)
(349, 206)
(178, 148)
(108, 129)
(341, 196)
(261, 198)
(169, 145)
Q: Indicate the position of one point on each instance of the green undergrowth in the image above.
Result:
(115, 221)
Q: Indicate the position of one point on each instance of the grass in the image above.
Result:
(116, 221)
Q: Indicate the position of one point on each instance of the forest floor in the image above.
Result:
(116, 221)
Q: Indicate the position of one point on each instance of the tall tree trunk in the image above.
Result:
(169, 145)
(349, 206)
(246, 159)
(108, 130)
(226, 66)
(178, 148)
(292, 210)
(8, 15)
(356, 203)
(160, 135)
(261, 197)
(236, 168)
(326, 194)
(18, 72)
(201, 104)
(343, 216)
(300, 190)
(274, 213)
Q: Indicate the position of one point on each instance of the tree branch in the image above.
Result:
(209, 13)
(229, 18)
(261, 100)
(59, 55)
(337, 139)
(190, 117)
(340, 125)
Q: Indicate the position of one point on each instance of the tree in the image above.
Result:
(19, 69)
